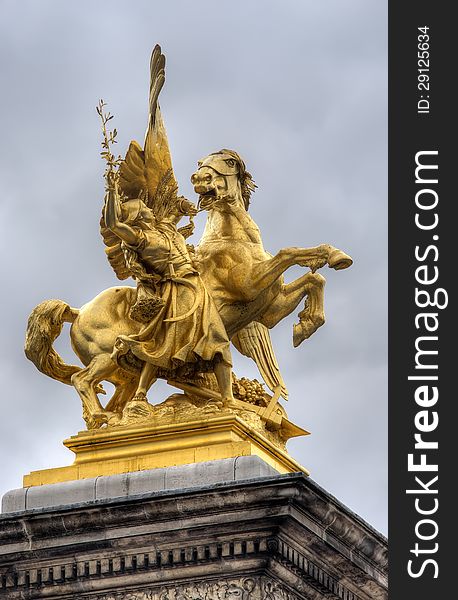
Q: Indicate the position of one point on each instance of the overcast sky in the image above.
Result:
(299, 89)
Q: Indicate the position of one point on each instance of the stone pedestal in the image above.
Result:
(153, 445)
(231, 529)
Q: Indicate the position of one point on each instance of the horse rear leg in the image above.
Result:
(310, 318)
(85, 382)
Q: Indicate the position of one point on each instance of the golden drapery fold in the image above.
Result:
(198, 337)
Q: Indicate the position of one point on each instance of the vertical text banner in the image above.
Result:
(423, 258)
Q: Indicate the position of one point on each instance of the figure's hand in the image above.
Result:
(187, 207)
(111, 181)
(112, 209)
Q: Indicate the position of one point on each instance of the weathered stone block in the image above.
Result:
(68, 492)
(14, 500)
(137, 482)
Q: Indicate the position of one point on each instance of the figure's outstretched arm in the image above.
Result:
(112, 214)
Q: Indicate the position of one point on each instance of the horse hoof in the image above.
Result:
(230, 403)
(305, 328)
(338, 260)
(96, 420)
(213, 406)
(299, 334)
(92, 424)
(136, 408)
(112, 419)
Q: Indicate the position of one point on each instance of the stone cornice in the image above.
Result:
(274, 518)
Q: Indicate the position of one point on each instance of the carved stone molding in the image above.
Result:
(127, 566)
(242, 588)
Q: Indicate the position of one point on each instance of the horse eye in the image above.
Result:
(230, 162)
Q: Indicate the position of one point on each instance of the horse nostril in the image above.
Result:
(193, 178)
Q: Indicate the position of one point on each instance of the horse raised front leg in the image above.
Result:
(319, 256)
(85, 382)
(311, 317)
(264, 273)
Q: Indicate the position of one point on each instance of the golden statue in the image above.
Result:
(189, 303)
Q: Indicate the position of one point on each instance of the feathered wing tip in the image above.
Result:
(157, 80)
(254, 341)
(157, 157)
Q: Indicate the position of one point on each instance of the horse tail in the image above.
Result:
(44, 326)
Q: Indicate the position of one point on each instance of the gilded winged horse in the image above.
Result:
(244, 281)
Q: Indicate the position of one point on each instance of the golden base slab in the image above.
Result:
(116, 450)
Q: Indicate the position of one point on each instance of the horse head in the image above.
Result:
(222, 175)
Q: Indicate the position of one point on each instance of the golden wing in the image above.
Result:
(144, 170)
(132, 173)
(145, 173)
(254, 341)
(161, 184)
